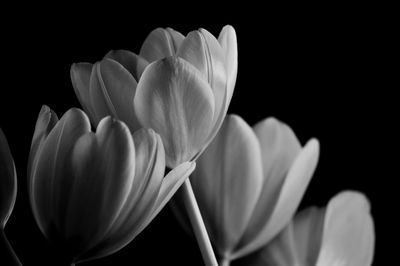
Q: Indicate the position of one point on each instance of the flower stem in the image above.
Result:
(198, 225)
(8, 255)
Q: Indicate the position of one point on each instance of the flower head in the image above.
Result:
(93, 192)
(8, 181)
(179, 86)
(249, 183)
(342, 234)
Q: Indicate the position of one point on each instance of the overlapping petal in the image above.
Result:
(228, 182)
(249, 183)
(92, 193)
(161, 43)
(174, 100)
(340, 234)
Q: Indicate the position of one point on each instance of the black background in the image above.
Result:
(320, 72)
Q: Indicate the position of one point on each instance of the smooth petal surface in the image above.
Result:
(281, 251)
(103, 166)
(348, 238)
(297, 244)
(279, 148)
(132, 62)
(8, 181)
(80, 77)
(47, 119)
(307, 229)
(201, 49)
(50, 174)
(227, 182)
(228, 41)
(174, 100)
(112, 89)
(161, 43)
(291, 192)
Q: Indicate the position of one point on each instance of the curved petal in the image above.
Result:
(201, 49)
(8, 181)
(132, 62)
(103, 169)
(161, 43)
(291, 192)
(80, 77)
(112, 89)
(50, 177)
(281, 251)
(46, 120)
(279, 148)
(227, 40)
(227, 182)
(177, 103)
(348, 238)
(308, 227)
(149, 171)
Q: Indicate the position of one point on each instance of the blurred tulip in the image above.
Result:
(250, 181)
(179, 86)
(342, 234)
(8, 194)
(92, 193)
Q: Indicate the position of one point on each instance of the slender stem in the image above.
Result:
(198, 225)
(8, 255)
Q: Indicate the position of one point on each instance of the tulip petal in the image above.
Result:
(291, 192)
(103, 170)
(227, 182)
(308, 227)
(50, 177)
(80, 77)
(177, 103)
(279, 148)
(149, 171)
(8, 181)
(227, 40)
(112, 89)
(47, 119)
(201, 49)
(150, 161)
(348, 237)
(281, 251)
(161, 43)
(132, 62)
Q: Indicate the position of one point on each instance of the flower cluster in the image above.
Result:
(93, 191)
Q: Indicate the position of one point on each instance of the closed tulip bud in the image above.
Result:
(92, 192)
(179, 86)
(249, 183)
(8, 194)
(342, 234)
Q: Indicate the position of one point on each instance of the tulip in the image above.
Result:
(8, 194)
(179, 86)
(342, 234)
(93, 192)
(249, 182)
